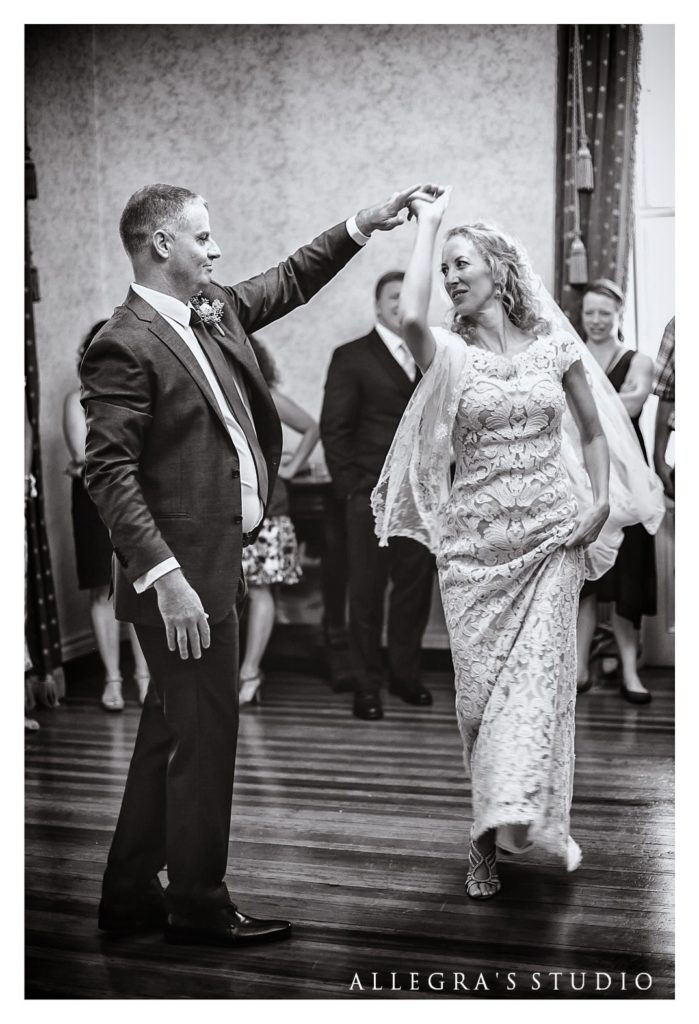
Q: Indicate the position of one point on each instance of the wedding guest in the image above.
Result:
(273, 557)
(664, 388)
(631, 584)
(93, 556)
(370, 381)
(506, 385)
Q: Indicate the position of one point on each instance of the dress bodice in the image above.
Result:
(510, 486)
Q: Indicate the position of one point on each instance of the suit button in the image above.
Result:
(237, 519)
(235, 473)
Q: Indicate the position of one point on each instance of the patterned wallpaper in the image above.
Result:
(286, 130)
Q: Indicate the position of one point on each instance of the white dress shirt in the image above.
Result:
(177, 315)
(398, 349)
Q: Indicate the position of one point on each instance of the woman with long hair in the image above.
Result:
(504, 386)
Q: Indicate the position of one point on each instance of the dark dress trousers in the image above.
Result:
(164, 473)
(366, 393)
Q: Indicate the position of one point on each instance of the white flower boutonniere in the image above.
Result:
(210, 310)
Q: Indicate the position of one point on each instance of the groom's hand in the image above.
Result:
(183, 614)
(388, 214)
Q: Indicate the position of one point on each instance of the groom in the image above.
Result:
(182, 451)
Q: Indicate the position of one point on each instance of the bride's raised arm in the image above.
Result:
(428, 206)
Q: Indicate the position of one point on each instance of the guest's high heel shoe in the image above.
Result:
(142, 682)
(250, 690)
(112, 699)
(482, 888)
(634, 696)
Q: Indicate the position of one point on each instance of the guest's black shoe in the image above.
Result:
(635, 696)
(417, 695)
(226, 927)
(367, 706)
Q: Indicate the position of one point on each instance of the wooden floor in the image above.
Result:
(357, 833)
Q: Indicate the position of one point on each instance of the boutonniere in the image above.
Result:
(210, 310)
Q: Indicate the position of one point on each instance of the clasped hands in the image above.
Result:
(389, 214)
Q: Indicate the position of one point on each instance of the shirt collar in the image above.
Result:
(393, 341)
(166, 305)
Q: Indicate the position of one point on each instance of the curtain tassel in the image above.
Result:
(577, 262)
(584, 172)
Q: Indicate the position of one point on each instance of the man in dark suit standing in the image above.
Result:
(183, 447)
(369, 384)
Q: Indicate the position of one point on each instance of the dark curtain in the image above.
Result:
(609, 70)
(44, 680)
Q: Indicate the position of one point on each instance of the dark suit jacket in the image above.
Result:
(366, 393)
(160, 463)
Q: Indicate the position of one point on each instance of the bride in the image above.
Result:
(507, 393)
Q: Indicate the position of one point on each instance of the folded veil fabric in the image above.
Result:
(414, 483)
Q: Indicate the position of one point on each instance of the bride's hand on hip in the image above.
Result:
(429, 203)
(589, 526)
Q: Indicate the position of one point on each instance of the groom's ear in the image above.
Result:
(162, 243)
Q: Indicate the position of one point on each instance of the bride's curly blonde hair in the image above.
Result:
(511, 272)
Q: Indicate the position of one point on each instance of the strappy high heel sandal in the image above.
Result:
(112, 699)
(142, 682)
(492, 883)
(251, 690)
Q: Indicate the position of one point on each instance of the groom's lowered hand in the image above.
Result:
(386, 215)
(183, 614)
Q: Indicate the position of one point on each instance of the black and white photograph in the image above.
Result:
(349, 510)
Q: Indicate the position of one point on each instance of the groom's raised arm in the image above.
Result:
(268, 296)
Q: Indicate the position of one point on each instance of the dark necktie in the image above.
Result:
(223, 372)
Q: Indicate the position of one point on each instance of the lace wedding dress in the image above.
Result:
(509, 587)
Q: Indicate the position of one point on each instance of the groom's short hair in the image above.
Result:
(150, 208)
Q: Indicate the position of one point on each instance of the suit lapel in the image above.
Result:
(159, 326)
(396, 372)
(235, 346)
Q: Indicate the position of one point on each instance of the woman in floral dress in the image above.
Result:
(509, 531)
(273, 558)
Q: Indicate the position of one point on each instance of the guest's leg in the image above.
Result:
(627, 641)
(177, 802)
(261, 611)
(141, 671)
(368, 575)
(587, 620)
(412, 573)
(106, 629)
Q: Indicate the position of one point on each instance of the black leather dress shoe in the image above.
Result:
(226, 927)
(367, 706)
(145, 912)
(417, 695)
